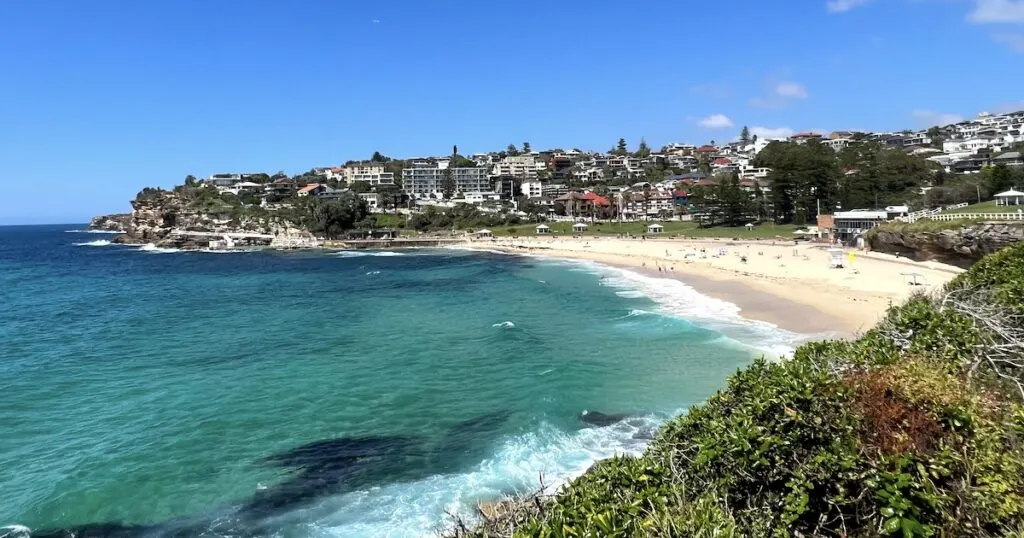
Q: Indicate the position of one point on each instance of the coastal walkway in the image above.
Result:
(221, 235)
(393, 243)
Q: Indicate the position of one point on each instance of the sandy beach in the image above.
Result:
(786, 284)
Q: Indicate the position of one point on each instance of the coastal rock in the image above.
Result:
(118, 222)
(961, 247)
(156, 216)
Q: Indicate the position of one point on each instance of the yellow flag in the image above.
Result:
(850, 257)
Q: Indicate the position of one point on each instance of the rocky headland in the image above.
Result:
(117, 222)
(171, 219)
(958, 246)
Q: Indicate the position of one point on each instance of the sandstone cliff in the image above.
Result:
(961, 247)
(117, 222)
(155, 217)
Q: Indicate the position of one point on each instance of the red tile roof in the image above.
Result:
(597, 199)
(707, 149)
(308, 188)
(806, 135)
(721, 160)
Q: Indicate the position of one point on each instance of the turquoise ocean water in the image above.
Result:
(156, 393)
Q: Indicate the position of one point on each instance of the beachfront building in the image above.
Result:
(543, 229)
(369, 172)
(1010, 197)
(852, 224)
(579, 227)
(655, 228)
(427, 178)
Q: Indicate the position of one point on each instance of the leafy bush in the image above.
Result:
(897, 433)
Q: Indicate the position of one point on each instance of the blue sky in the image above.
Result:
(99, 99)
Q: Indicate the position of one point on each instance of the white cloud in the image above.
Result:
(929, 118)
(771, 132)
(782, 94)
(1014, 41)
(998, 11)
(791, 90)
(842, 6)
(715, 121)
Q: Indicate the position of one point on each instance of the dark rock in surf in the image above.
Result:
(595, 418)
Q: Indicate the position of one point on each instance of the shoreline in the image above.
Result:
(788, 286)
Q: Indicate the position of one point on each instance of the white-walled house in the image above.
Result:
(532, 189)
(971, 145)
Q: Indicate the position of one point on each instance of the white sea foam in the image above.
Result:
(93, 231)
(15, 531)
(676, 298)
(150, 247)
(505, 325)
(361, 253)
(518, 463)
(96, 243)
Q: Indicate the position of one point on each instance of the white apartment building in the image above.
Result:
(519, 166)
(532, 189)
(917, 139)
(588, 174)
(754, 173)
(838, 144)
(372, 200)
(971, 145)
(480, 197)
(224, 180)
(422, 181)
(372, 173)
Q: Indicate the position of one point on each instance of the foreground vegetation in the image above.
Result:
(914, 429)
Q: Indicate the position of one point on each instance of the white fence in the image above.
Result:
(978, 216)
(929, 213)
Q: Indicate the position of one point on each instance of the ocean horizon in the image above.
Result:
(329, 393)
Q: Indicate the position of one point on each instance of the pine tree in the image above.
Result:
(745, 135)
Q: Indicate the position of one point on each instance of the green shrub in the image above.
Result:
(891, 434)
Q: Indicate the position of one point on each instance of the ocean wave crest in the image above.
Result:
(361, 253)
(96, 243)
(150, 247)
(676, 298)
(515, 465)
(505, 325)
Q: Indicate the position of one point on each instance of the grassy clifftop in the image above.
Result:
(915, 429)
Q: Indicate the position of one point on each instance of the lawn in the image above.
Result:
(984, 207)
(672, 229)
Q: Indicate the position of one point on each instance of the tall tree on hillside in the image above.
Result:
(526, 147)
(643, 150)
(745, 135)
(447, 184)
(378, 158)
(621, 148)
(512, 150)
(1000, 178)
(190, 180)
